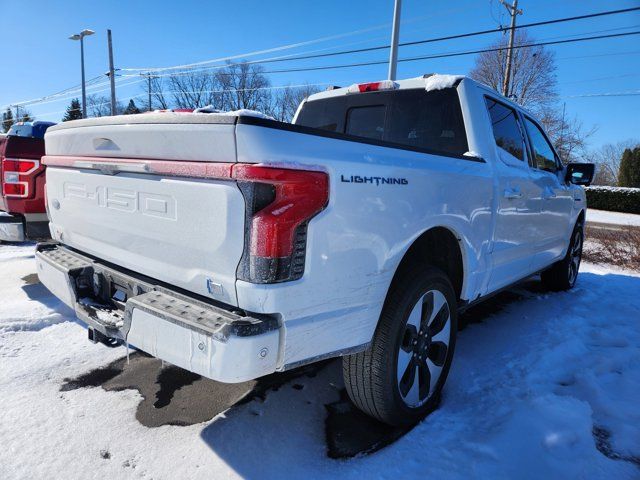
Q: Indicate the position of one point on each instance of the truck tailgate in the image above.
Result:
(187, 232)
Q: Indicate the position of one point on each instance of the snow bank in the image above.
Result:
(438, 82)
(543, 385)
(612, 218)
(606, 188)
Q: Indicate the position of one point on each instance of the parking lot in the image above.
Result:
(543, 384)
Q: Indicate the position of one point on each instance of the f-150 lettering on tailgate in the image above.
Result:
(125, 200)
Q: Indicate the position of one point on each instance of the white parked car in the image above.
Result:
(237, 246)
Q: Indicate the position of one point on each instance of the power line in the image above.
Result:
(257, 52)
(438, 39)
(292, 45)
(429, 40)
(612, 77)
(609, 54)
(61, 92)
(454, 54)
(269, 60)
(426, 57)
(630, 93)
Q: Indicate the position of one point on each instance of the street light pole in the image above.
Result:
(80, 36)
(395, 33)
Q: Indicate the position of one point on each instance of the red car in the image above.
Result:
(22, 207)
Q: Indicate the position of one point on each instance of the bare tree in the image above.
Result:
(100, 106)
(244, 85)
(533, 79)
(158, 99)
(235, 86)
(569, 136)
(607, 160)
(194, 90)
(24, 115)
(534, 86)
(285, 101)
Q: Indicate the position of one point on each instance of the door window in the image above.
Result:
(506, 129)
(544, 157)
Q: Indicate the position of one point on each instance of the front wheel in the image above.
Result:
(563, 274)
(399, 378)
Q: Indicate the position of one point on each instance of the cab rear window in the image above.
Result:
(428, 121)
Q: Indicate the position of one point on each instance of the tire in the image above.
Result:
(373, 379)
(563, 274)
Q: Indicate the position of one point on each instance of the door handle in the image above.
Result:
(512, 193)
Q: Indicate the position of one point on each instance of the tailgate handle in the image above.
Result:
(111, 168)
(104, 144)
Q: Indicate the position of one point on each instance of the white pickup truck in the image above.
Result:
(235, 246)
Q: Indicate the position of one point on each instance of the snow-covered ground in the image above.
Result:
(544, 386)
(612, 218)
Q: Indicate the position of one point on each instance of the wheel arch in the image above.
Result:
(440, 247)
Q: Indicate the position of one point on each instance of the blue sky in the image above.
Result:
(38, 58)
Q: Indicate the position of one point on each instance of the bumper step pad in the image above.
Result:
(87, 277)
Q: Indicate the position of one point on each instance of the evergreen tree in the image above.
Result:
(629, 174)
(74, 111)
(131, 108)
(7, 120)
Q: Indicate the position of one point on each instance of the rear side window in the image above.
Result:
(428, 120)
(367, 122)
(543, 156)
(425, 121)
(506, 129)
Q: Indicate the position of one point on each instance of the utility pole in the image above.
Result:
(513, 11)
(395, 34)
(149, 77)
(112, 75)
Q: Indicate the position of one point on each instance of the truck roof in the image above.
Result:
(427, 82)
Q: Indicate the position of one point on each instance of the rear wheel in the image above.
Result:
(563, 274)
(399, 378)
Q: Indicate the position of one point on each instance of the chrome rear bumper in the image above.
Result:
(215, 341)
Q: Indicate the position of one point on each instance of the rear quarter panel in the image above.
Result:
(355, 244)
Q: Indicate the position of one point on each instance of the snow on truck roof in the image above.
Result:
(428, 82)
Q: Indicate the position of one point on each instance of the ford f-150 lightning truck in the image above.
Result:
(235, 246)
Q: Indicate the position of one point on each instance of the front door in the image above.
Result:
(553, 197)
(514, 234)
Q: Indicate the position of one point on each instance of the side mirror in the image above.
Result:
(580, 173)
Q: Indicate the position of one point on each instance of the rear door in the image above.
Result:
(553, 196)
(514, 232)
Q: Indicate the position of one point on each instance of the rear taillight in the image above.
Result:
(279, 204)
(17, 176)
